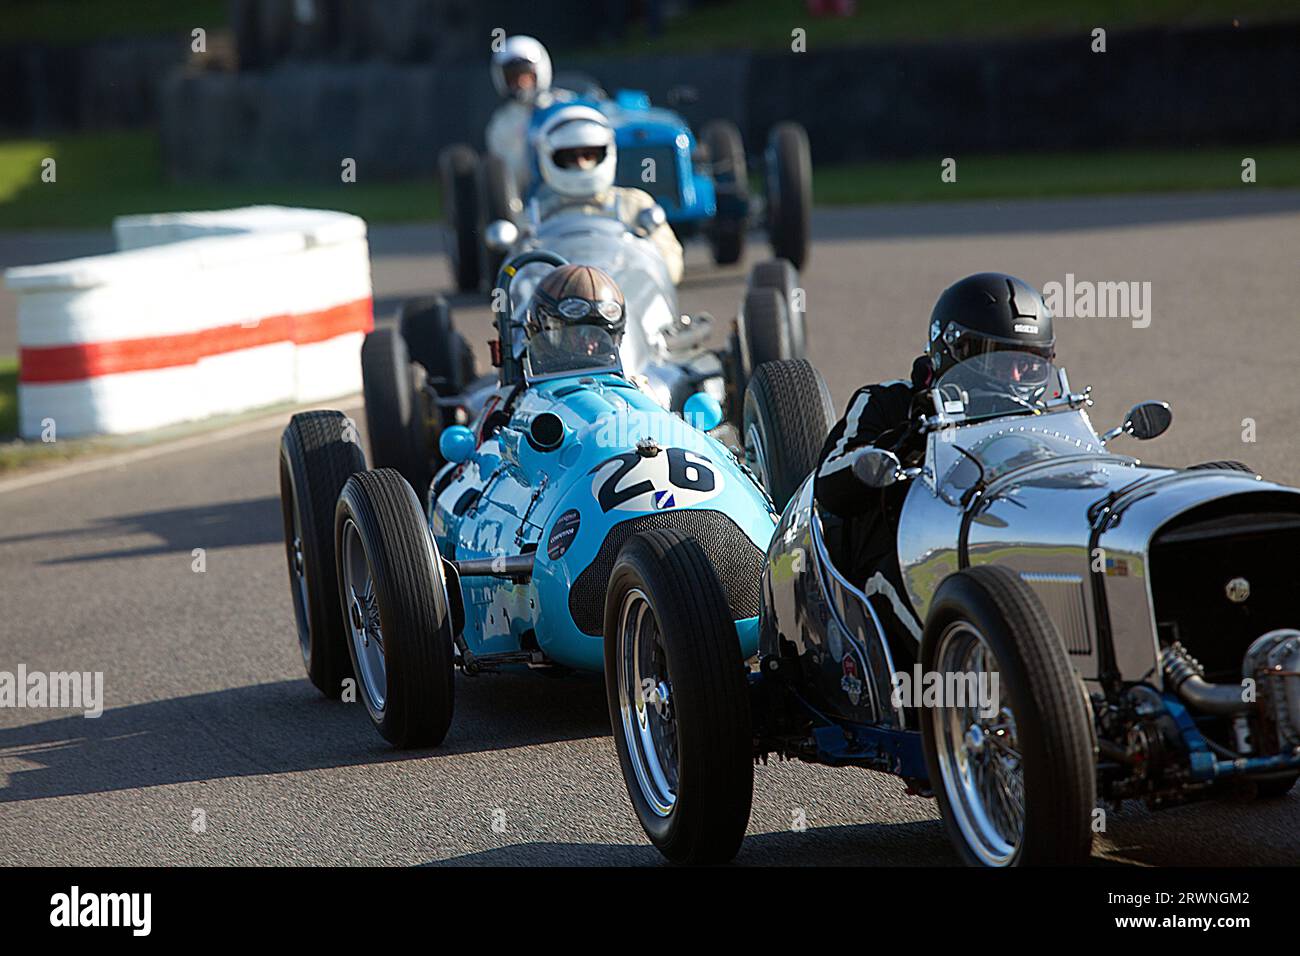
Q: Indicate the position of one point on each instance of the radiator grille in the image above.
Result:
(738, 560)
(1062, 597)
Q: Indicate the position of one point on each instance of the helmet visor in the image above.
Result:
(580, 157)
(520, 75)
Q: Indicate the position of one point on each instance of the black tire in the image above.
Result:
(709, 696)
(498, 199)
(764, 329)
(432, 341)
(458, 169)
(726, 149)
(318, 452)
(788, 414)
(1275, 789)
(1052, 724)
(789, 193)
(781, 275)
(414, 611)
(403, 431)
(1222, 466)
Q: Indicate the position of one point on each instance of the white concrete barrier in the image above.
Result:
(197, 314)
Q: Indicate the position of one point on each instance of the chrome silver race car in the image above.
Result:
(421, 376)
(1071, 624)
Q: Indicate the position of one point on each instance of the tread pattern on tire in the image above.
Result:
(326, 459)
(765, 328)
(407, 579)
(793, 409)
(1072, 770)
(697, 608)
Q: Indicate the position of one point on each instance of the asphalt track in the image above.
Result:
(207, 708)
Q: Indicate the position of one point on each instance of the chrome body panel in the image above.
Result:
(825, 623)
(1037, 516)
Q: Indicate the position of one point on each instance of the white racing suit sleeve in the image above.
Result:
(630, 203)
(507, 136)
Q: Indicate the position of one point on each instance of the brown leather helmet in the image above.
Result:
(577, 295)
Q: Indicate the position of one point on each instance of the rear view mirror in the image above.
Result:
(702, 411)
(648, 220)
(1148, 420)
(456, 443)
(500, 235)
(876, 468)
(1144, 420)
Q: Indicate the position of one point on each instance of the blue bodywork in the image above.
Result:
(510, 498)
(682, 187)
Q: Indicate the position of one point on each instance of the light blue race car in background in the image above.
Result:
(701, 182)
(567, 471)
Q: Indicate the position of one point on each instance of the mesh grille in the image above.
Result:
(738, 560)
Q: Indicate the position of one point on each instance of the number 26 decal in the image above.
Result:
(672, 479)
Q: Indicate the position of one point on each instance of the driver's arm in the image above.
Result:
(873, 410)
(665, 240)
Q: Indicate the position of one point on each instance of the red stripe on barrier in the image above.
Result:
(71, 363)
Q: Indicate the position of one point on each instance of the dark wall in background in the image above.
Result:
(1166, 88)
(108, 83)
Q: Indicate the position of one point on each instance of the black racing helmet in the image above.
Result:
(986, 313)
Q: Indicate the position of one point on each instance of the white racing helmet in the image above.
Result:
(576, 152)
(519, 56)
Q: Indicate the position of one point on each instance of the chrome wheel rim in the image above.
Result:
(298, 571)
(756, 455)
(362, 613)
(646, 704)
(979, 756)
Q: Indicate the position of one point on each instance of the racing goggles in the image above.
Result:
(575, 309)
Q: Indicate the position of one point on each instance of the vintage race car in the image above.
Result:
(1073, 625)
(507, 562)
(702, 184)
(663, 350)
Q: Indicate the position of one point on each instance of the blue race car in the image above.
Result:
(566, 468)
(701, 183)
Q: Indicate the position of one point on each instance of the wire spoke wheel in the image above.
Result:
(646, 704)
(979, 755)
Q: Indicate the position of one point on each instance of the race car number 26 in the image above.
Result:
(676, 478)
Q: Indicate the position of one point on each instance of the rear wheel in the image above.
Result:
(498, 199)
(678, 698)
(779, 274)
(1016, 781)
(432, 341)
(318, 451)
(788, 415)
(789, 192)
(764, 329)
(1222, 466)
(403, 432)
(726, 233)
(399, 620)
(458, 169)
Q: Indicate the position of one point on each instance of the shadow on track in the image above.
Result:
(867, 844)
(273, 728)
(230, 524)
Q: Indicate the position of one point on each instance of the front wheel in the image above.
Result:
(403, 428)
(395, 602)
(678, 698)
(1013, 769)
